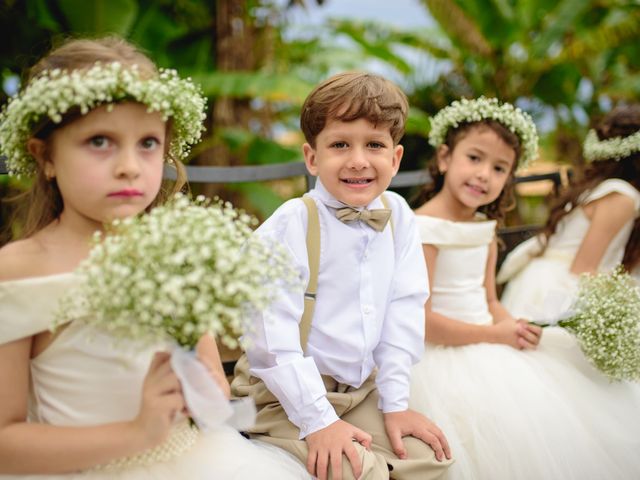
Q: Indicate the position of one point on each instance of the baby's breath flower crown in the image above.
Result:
(611, 148)
(468, 111)
(56, 92)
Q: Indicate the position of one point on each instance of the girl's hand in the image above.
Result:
(529, 334)
(507, 333)
(517, 334)
(161, 400)
(207, 353)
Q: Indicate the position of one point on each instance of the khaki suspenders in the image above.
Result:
(313, 256)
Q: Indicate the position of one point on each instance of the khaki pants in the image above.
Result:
(358, 407)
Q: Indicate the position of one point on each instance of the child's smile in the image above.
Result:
(477, 169)
(355, 160)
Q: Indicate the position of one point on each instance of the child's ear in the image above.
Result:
(310, 159)
(442, 158)
(38, 149)
(398, 151)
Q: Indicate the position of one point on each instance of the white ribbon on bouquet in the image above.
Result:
(207, 403)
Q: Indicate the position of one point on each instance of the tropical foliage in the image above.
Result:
(563, 61)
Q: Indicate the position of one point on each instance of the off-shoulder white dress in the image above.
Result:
(541, 287)
(510, 414)
(83, 378)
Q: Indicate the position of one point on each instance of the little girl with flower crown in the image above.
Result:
(92, 130)
(514, 404)
(593, 227)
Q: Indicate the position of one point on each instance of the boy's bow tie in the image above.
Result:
(376, 219)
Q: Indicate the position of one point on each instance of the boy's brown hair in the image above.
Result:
(349, 96)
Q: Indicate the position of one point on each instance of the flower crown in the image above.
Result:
(55, 92)
(482, 108)
(612, 148)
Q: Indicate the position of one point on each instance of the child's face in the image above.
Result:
(107, 165)
(354, 160)
(477, 168)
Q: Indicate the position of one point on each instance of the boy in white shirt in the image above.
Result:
(340, 390)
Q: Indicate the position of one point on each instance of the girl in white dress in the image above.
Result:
(514, 405)
(92, 129)
(592, 228)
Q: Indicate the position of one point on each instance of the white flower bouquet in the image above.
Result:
(184, 269)
(606, 323)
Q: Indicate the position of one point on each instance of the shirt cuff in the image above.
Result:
(393, 398)
(299, 387)
(316, 417)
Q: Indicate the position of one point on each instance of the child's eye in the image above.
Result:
(473, 158)
(500, 169)
(150, 143)
(339, 145)
(376, 145)
(99, 142)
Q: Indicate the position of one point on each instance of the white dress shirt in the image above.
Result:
(369, 310)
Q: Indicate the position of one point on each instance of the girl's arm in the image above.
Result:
(528, 335)
(608, 215)
(443, 330)
(208, 354)
(46, 449)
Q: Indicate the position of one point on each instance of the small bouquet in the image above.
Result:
(187, 268)
(605, 318)
(184, 269)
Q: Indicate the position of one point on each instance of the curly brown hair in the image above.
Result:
(42, 202)
(497, 209)
(620, 122)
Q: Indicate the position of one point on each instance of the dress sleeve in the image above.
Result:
(445, 233)
(613, 185)
(28, 306)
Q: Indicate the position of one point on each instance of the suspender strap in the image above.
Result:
(313, 254)
(385, 204)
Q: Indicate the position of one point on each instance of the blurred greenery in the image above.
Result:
(566, 62)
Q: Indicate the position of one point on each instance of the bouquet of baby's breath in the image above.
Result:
(606, 322)
(187, 268)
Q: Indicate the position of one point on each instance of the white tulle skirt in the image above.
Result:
(544, 414)
(221, 455)
(526, 296)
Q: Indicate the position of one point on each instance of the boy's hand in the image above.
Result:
(409, 422)
(327, 445)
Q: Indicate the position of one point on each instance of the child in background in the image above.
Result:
(512, 406)
(592, 228)
(93, 128)
(314, 379)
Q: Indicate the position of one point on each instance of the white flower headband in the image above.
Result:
(55, 92)
(482, 108)
(611, 148)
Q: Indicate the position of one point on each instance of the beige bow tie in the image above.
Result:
(376, 219)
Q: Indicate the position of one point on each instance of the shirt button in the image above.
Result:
(366, 310)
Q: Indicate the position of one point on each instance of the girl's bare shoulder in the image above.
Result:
(22, 259)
